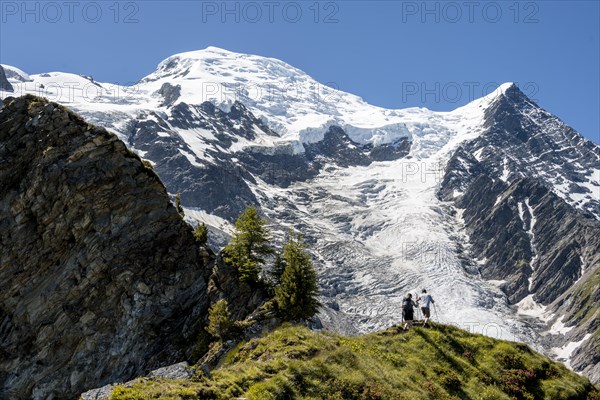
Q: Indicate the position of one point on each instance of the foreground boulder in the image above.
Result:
(100, 278)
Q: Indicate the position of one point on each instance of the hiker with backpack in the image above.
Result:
(425, 301)
(408, 310)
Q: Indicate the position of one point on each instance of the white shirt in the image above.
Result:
(425, 300)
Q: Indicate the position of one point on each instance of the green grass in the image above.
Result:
(441, 362)
(585, 298)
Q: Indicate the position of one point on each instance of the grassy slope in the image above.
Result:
(585, 299)
(442, 362)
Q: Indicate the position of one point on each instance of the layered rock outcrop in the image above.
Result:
(100, 278)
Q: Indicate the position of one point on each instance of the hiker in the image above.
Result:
(425, 301)
(408, 311)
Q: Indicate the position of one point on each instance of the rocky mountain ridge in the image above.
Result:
(540, 242)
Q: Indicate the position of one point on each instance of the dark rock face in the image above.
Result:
(282, 168)
(336, 145)
(391, 151)
(214, 178)
(525, 232)
(523, 140)
(278, 169)
(508, 173)
(586, 359)
(5, 85)
(218, 178)
(170, 94)
(100, 279)
(581, 307)
(243, 299)
(537, 242)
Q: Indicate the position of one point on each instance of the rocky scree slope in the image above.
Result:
(100, 278)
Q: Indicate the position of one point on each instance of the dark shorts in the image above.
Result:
(425, 311)
(408, 315)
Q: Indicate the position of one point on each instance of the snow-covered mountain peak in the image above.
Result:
(292, 103)
(284, 96)
(524, 140)
(298, 107)
(289, 101)
(478, 106)
(196, 64)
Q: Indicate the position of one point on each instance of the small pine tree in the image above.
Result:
(249, 245)
(201, 234)
(296, 296)
(178, 206)
(219, 319)
(249, 270)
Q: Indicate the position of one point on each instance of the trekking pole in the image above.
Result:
(436, 314)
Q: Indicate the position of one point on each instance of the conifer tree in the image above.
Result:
(219, 319)
(201, 233)
(296, 296)
(249, 245)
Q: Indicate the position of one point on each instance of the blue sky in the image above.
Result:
(394, 54)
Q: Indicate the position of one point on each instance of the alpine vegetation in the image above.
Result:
(249, 245)
(296, 294)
